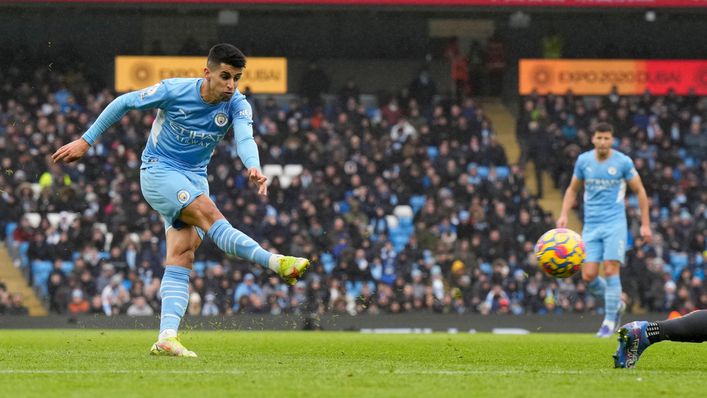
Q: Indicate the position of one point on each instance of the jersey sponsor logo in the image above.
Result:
(183, 196)
(245, 113)
(221, 119)
(612, 170)
(200, 138)
(602, 183)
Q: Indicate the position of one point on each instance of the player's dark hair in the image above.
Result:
(603, 128)
(226, 54)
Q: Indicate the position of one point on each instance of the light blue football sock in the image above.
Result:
(612, 298)
(235, 242)
(174, 291)
(597, 287)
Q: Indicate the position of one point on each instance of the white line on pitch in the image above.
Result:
(120, 371)
(441, 372)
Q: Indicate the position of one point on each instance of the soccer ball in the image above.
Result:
(560, 252)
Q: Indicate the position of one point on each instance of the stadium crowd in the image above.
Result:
(407, 206)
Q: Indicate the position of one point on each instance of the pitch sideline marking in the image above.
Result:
(120, 371)
(440, 372)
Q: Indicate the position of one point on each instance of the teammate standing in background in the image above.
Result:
(604, 173)
(193, 116)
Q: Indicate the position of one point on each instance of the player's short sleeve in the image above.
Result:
(579, 168)
(151, 97)
(628, 170)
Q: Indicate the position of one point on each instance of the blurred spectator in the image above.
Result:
(4, 298)
(476, 68)
(114, 296)
(423, 89)
(495, 60)
(139, 307)
(349, 92)
(16, 306)
(552, 44)
(194, 308)
(78, 304)
(11, 304)
(248, 296)
(210, 308)
(314, 83)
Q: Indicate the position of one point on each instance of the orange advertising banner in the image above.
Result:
(263, 75)
(598, 77)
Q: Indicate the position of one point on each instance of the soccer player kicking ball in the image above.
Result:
(635, 337)
(193, 116)
(604, 173)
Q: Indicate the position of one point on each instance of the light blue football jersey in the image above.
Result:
(604, 186)
(186, 129)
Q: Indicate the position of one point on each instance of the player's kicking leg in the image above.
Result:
(202, 212)
(174, 290)
(635, 337)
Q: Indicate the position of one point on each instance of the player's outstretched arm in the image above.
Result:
(151, 97)
(568, 201)
(636, 186)
(76, 149)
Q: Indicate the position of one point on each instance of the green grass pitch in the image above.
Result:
(113, 363)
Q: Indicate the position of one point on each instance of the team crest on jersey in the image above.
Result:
(183, 196)
(221, 119)
(612, 170)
